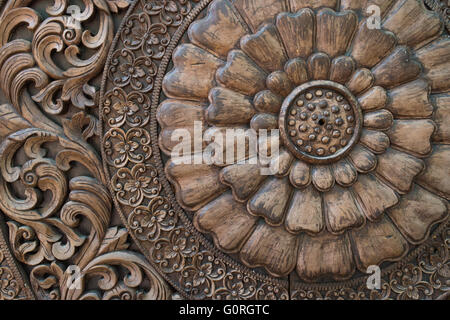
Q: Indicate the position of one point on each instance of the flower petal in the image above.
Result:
(279, 83)
(399, 169)
(436, 175)
(412, 135)
(371, 45)
(412, 23)
(296, 70)
(441, 118)
(325, 255)
(318, 66)
(305, 212)
(341, 69)
(363, 159)
(256, 12)
(341, 211)
(300, 174)
(175, 114)
(267, 143)
(354, 4)
(120, 147)
(334, 31)
(435, 59)
(243, 178)
(228, 107)
(229, 145)
(374, 196)
(380, 119)
(241, 74)
(410, 100)
(344, 173)
(373, 99)
(416, 212)
(314, 4)
(322, 177)
(271, 200)
(179, 113)
(275, 249)
(267, 101)
(130, 186)
(219, 31)
(377, 242)
(265, 48)
(384, 5)
(282, 162)
(376, 141)
(195, 184)
(361, 80)
(297, 32)
(193, 74)
(398, 67)
(227, 220)
(264, 121)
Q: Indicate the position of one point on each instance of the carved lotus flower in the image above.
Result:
(354, 112)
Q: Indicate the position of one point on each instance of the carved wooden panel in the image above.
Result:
(60, 222)
(95, 96)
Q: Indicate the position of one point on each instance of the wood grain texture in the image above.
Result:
(87, 126)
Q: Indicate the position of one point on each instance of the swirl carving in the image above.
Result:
(58, 209)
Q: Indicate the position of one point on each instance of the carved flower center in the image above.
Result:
(320, 121)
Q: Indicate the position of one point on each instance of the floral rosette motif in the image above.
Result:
(362, 114)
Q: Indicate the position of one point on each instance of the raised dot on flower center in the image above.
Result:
(324, 121)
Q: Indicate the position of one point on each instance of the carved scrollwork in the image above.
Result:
(140, 33)
(9, 288)
(169, 12)
(131, 146)
(128, 70)
(132, 109)
(225, 63)
(149, 221)
(44, 231)
(52, 183)
(236, 286)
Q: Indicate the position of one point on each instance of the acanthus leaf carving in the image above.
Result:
(115, 239)
(52, 182)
